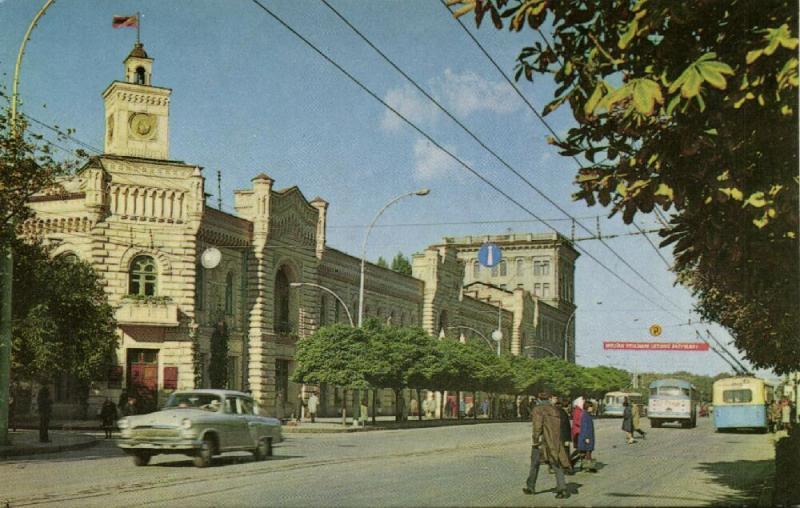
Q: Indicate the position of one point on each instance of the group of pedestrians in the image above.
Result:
(556, 430)
(552, 436)
(782, 414)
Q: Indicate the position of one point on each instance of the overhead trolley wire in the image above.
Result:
(443, 149)
(488, 149)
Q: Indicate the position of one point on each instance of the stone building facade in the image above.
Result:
(142, 221)
(540, 265)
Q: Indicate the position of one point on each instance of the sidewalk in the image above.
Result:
(334, 424)
(26, 442)
(322, 424)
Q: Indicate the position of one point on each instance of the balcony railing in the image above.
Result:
(155, 312)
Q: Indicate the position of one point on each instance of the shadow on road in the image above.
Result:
(695, 500)
(225, 460)
(745, 477)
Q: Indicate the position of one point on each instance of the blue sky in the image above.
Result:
(249, 97)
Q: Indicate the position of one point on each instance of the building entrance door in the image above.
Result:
(143, 378)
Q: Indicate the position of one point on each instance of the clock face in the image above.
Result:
(142, 126)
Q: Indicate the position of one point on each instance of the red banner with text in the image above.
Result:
(656, 346)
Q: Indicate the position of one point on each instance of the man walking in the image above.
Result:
(313, 402)
(547, 445)
(635, 419)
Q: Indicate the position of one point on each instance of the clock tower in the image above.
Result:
(137, 113)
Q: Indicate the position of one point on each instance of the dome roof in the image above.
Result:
(138, 51)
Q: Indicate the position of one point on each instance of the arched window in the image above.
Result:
(503, 269)
(443, 321)
(143, 278)
(229, 294)
(140, 76)
(199, 289)
(476, 269)
(69, 257)
(282, 324)
(323, 310)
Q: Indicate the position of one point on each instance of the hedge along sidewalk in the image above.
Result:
(26, 442)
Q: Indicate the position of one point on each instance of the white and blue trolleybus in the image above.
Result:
(672, 400)
(742, 403)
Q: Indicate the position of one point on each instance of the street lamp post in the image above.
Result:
(7, 258)
(420, 192)
(566, 333)
(479, 334)
(346, 310)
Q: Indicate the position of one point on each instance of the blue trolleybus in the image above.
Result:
(742, 403)
(612, 402)
(672, 400)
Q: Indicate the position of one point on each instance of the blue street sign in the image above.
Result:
(489, 255)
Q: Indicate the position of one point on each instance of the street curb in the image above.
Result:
(349, 428)
(37, 450)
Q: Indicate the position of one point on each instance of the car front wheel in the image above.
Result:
(205, 453)
(141, 458)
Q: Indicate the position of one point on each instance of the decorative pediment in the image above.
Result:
(293, 218)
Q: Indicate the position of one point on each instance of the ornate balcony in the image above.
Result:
(147, 312)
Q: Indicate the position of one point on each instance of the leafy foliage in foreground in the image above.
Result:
(690, 107)
(62, 320)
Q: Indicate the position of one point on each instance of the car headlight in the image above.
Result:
(186, 423)
(123, 423)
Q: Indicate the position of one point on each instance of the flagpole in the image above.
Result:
(138, 25)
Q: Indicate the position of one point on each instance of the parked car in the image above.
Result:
(201, 424)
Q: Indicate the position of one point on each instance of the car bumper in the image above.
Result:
(159, 445)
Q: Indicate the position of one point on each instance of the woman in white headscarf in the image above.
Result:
(577, 412)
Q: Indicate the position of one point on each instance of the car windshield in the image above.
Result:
(204, 401)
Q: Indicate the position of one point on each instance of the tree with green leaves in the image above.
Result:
(401, 264)
(382, 262)
(28, 165)
(692, 108)
(397, 358)
(337, 355)
(63, 323)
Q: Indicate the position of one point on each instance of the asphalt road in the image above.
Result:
(480, 465)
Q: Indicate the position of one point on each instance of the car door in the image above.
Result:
(235, 425)
(256, 427)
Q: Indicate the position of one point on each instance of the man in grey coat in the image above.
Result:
(547, 445)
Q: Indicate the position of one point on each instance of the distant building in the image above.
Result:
(541, 264)
(142, 221)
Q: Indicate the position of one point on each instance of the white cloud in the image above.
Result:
(431, 163)
(468, 93)
(410, 104)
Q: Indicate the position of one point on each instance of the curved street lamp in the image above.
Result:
(481, 335)
(7, 255)
(421, 192)
(543, 348)
(347, 311)
(566, 332)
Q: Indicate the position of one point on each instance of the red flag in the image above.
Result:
(125, 21)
